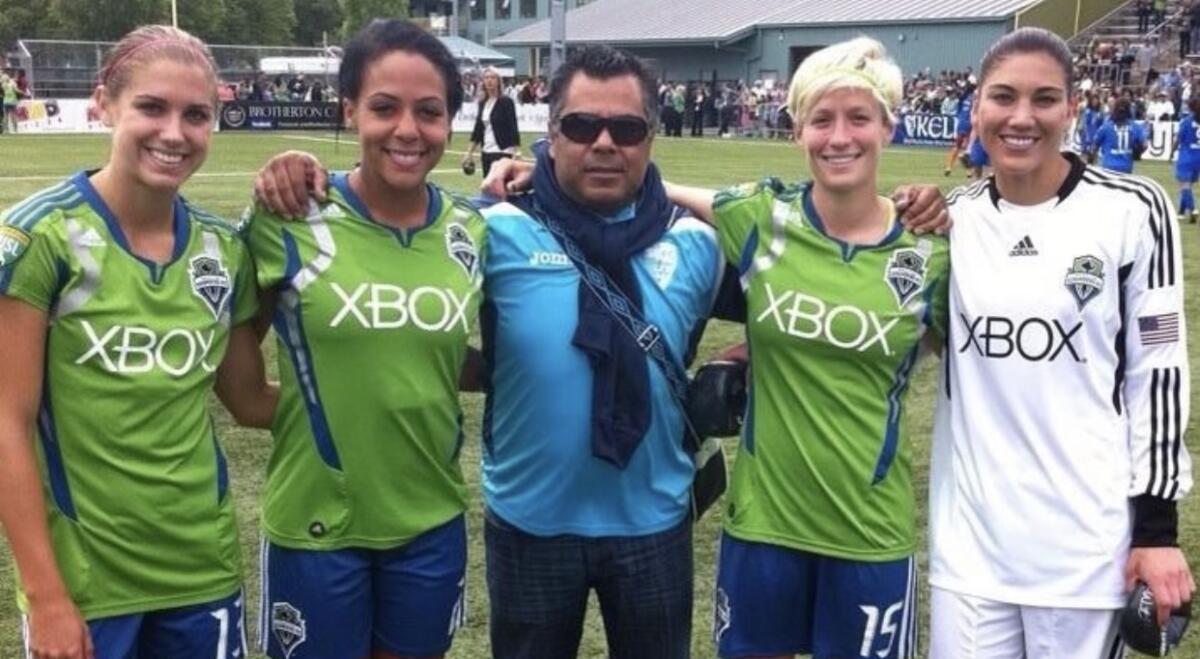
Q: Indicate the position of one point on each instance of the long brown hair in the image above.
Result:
(149, 43)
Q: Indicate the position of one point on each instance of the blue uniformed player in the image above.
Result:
(1187, 164)
(1119, 139)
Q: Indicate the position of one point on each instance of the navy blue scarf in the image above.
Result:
(620, 369)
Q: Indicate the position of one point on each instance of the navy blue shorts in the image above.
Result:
(345, 603)
(1187, 171)
(771, 600)
(200, 631)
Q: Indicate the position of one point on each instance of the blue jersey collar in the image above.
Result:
(180, 224)
(341, 181)
(848, 249)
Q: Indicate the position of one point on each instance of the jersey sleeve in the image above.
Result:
(245, 286)
(737, 212)
(939, 297)
(1156, 379)
(30, 268)
(263, 232)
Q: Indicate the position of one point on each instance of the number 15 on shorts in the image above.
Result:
(884, 627)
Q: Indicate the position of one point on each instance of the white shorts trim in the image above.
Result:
(25, 635)
(264, 616)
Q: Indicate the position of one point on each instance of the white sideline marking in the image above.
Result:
(309, 138)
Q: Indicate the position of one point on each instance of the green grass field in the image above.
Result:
(223, 186)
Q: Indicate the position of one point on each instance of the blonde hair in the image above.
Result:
(860, 63)
(149, 43)
(491, 71)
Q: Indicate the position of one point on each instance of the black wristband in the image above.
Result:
(1155, 522)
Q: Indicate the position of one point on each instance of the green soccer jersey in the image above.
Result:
(372, 324)
(834, 331)
(136, 486)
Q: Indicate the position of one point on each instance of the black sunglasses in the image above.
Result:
(624, 129)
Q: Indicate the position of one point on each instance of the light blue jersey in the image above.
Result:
(539, 473)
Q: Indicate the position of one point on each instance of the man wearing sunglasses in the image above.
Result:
(585, 476)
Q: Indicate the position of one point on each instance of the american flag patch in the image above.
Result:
(1160, 329)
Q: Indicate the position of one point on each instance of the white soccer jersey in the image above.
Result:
(1065, 392)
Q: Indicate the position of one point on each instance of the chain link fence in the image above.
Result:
(69, 69)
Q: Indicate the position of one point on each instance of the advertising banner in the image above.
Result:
(1160, 135)
(925, 128)
(49, 115)
(922, 128)
(259, 115)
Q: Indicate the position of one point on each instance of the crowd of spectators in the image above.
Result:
(759, 108)
(280, 89)
(1133, 61)
(523, 90)
(735, 108)
(299, 88)
(1105, 70)
(940, 94)
(1163, 99)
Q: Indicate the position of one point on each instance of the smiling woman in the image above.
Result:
(817, 554)
(1066, 396)
(373, 298)
(121, 305)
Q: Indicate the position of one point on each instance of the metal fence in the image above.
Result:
(69, 69)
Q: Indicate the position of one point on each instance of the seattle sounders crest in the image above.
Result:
(461, 248)
(1085, 279)
(289, 627)
(905, 274)
(210, 282)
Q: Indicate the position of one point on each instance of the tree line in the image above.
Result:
(254, 22)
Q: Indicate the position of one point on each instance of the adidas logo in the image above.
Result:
(1024, 247)
(91, 239)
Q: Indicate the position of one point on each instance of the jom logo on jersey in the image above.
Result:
(905, 274)
(210, 282)
(1085, 279)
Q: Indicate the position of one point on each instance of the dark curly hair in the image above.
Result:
(384, 35)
